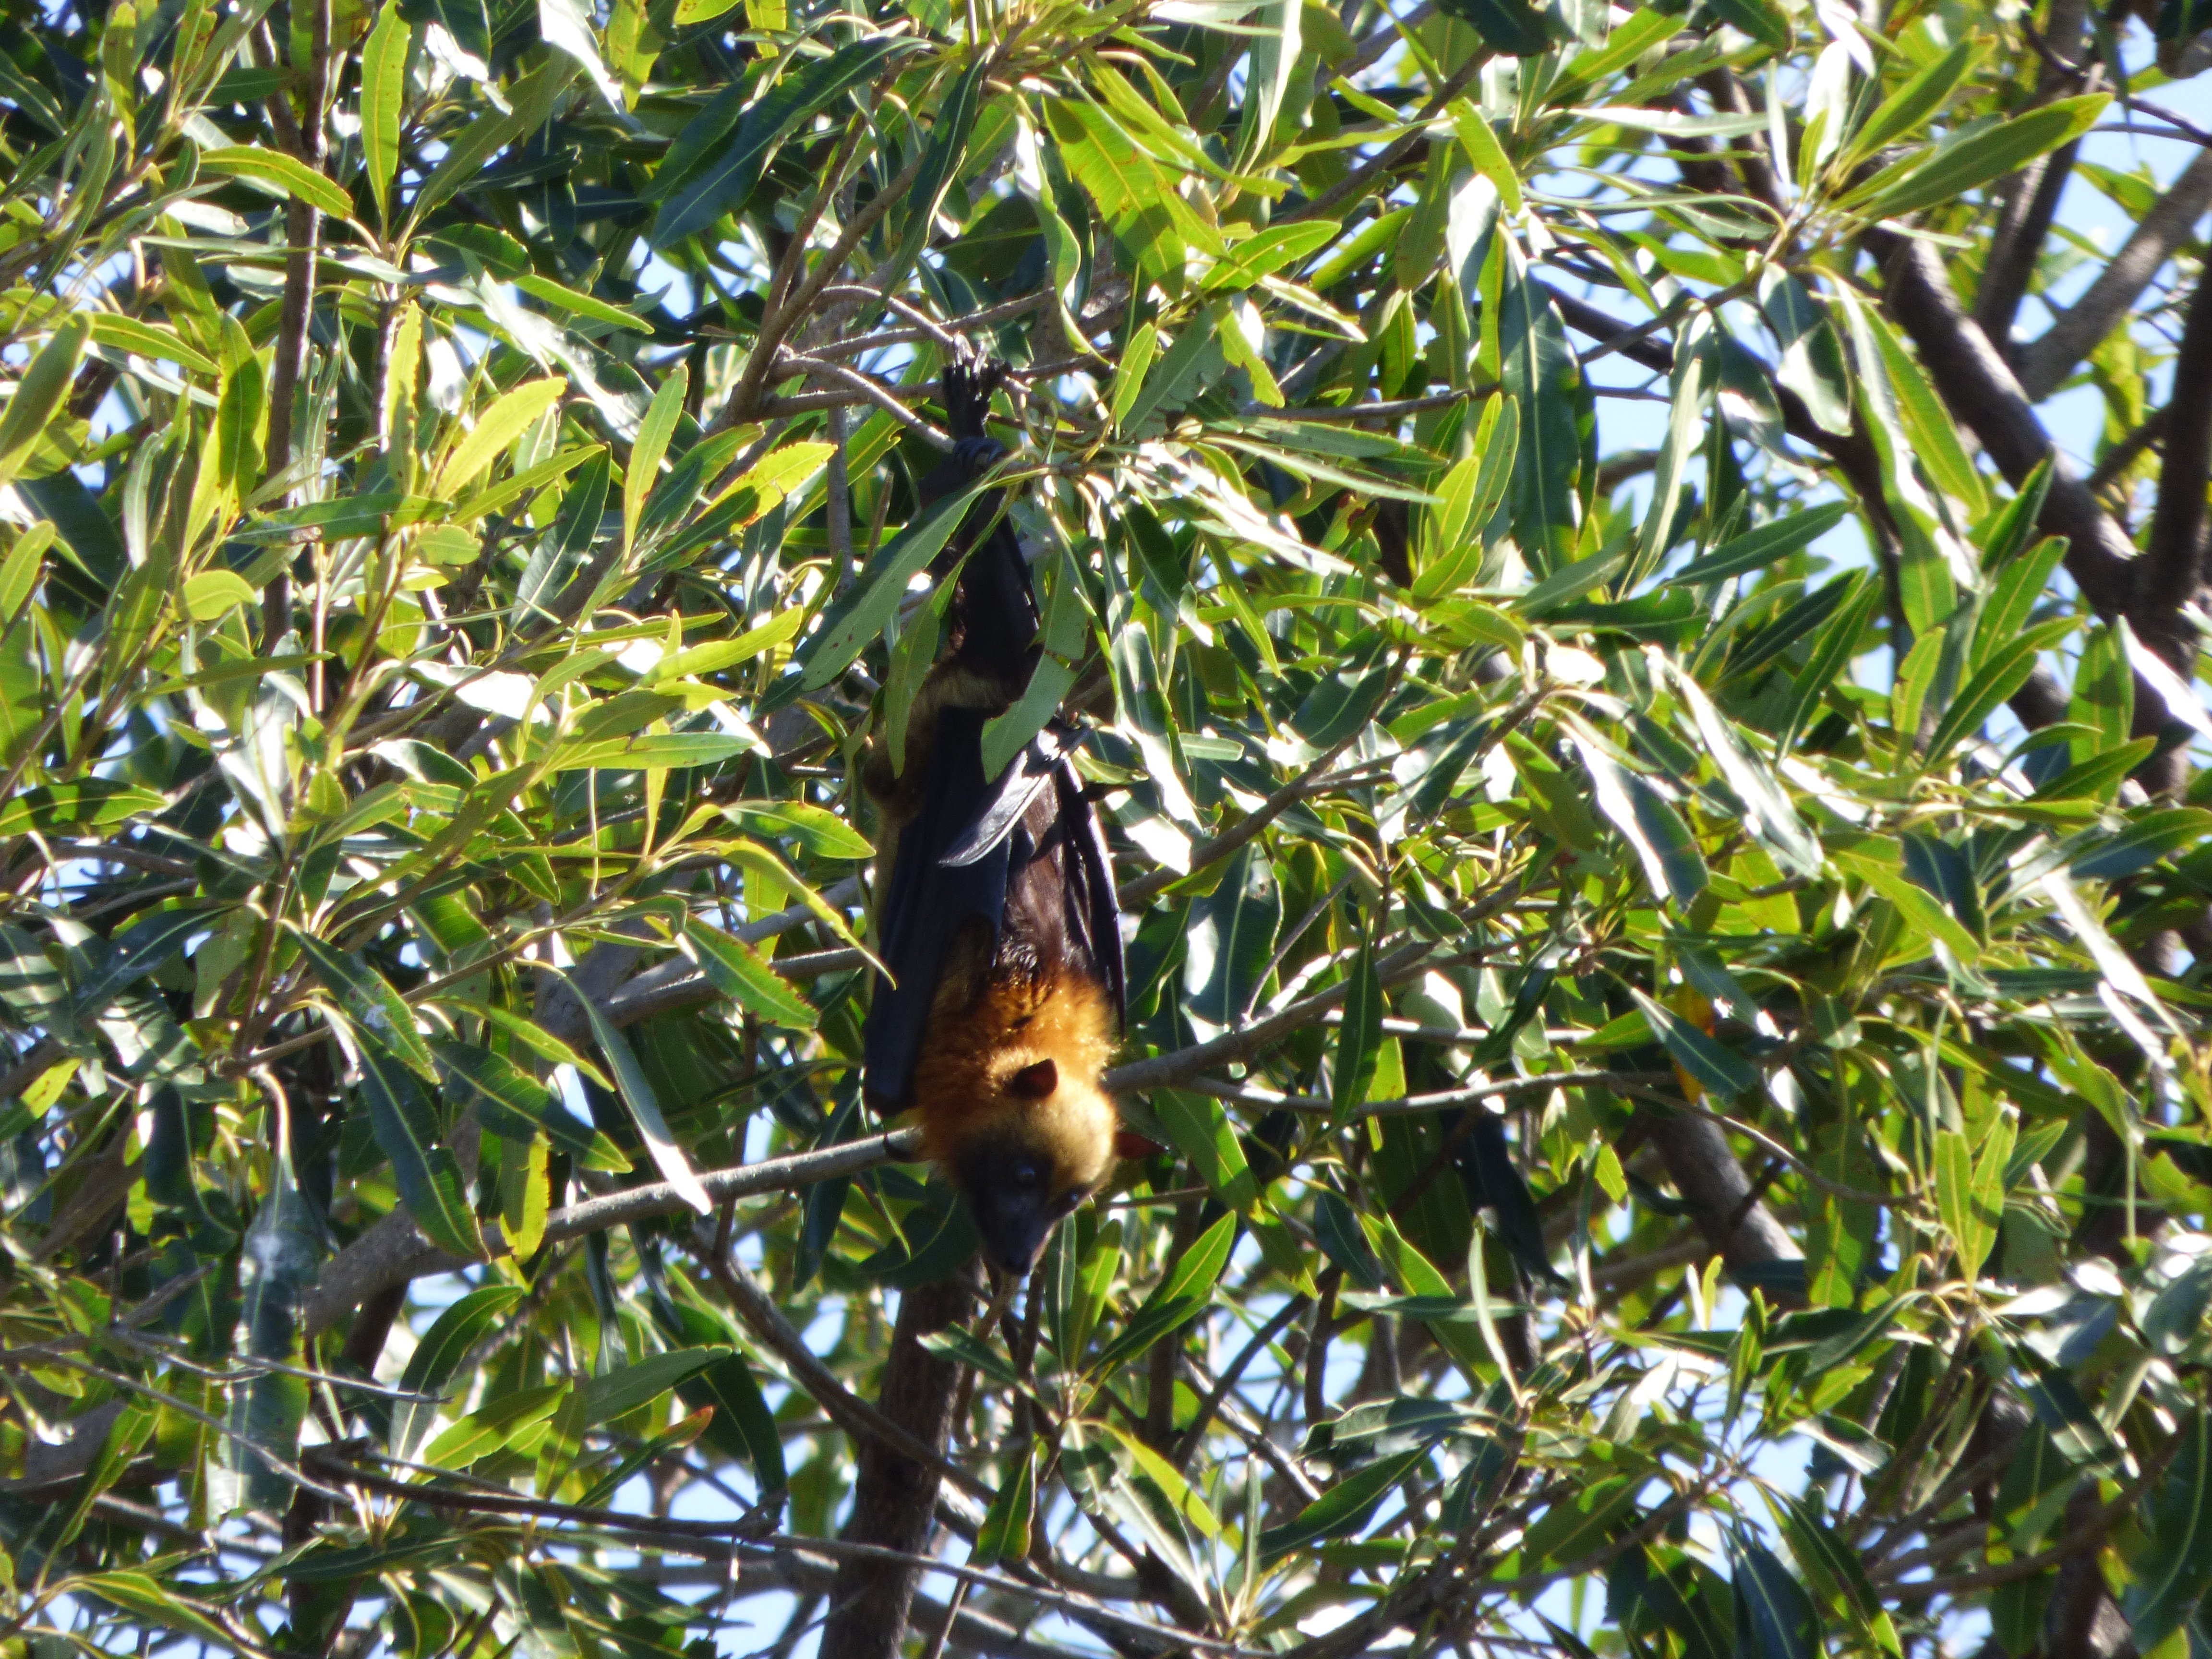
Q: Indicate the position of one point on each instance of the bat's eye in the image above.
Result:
(1028, 1176)
(1066, 1203)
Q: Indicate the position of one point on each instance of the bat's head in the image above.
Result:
(1015, 1116)
(1029, 1162)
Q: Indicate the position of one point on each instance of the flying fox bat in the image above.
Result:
(997, 915)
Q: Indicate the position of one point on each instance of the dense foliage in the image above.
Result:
(1662, 860)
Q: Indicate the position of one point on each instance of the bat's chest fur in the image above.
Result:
(965, 1077)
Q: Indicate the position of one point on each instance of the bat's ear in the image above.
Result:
(1127, 1143)
(1035, 1082)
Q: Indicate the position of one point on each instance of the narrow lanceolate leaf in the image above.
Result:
(1769, 544)
(2002, 673)
(424, 1168)
(1178, 1299)
(738, 971)
(494, 430)
(637, 1091)
(702, 178)
(1538, 373)
(438, 1357)
(369, 1001)
(1359, 1041)
(2173, 1573)
(383, 96)
(1771, 817)
(1775, 1619)
(278, 1262)
(1954, 1199)
(1923, 182)
(286, 174)
(1718, 1070)
(510, 1101)
(1232, 936)
(1696, 372)
(653, 436)
(1005, 1534)
(853, 625)
(133, 954)
(44, 387)
(940, 163)
(1662, 841)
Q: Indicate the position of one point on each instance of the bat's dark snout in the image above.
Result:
(1009, 1192)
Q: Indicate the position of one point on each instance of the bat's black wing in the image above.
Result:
(1022, 854)
(926, 905)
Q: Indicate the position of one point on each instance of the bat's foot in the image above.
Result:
(968, 389)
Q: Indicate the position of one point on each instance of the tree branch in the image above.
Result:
(2052, 357)
(2173, 559)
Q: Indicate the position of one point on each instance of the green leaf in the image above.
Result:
(148, 340)
(497, 1423)
(695, 191)
(1901, 113)
(215, 593)
(646, 752)
(852, 626)
(1772, 1609)
(383, 96)
(436, 1362)
(39, 394)
(1180, 1298)
(577, 304)
(1202, 1132)
(626, 1388)
(146, 1596)
(1512, 26)
(1541, 376)
(134, 953)
(1360, 1039)
(940, 163)
(279, 1262)
(653, 436)
(1232, 940)
(2104, 693)
(511, 1104)
(1662, 841)
(287, 174)
(1343, 1508)
(1834, 648)
(1967, 163)
(738, 970)
(1955, 1199)
(1812, 363)
(367, 1000)
(424, 1168)
(1769, 813)
(1769, 544)
(637, 1093)
(2002, 673)
(499, 426)
(2173, 1572)
(1720, 1071)
(73, 808)
(1005, 1534)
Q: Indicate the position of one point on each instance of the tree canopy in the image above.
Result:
(1665, 869)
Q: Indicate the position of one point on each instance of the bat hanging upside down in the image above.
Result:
(996, 908)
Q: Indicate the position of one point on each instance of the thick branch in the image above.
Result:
(2050, 359)
(2018, 243)
(2173, 560)
(1978, 388)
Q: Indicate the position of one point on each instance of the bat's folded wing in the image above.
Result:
(926, 906)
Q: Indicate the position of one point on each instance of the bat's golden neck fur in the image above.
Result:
(966, 1080)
